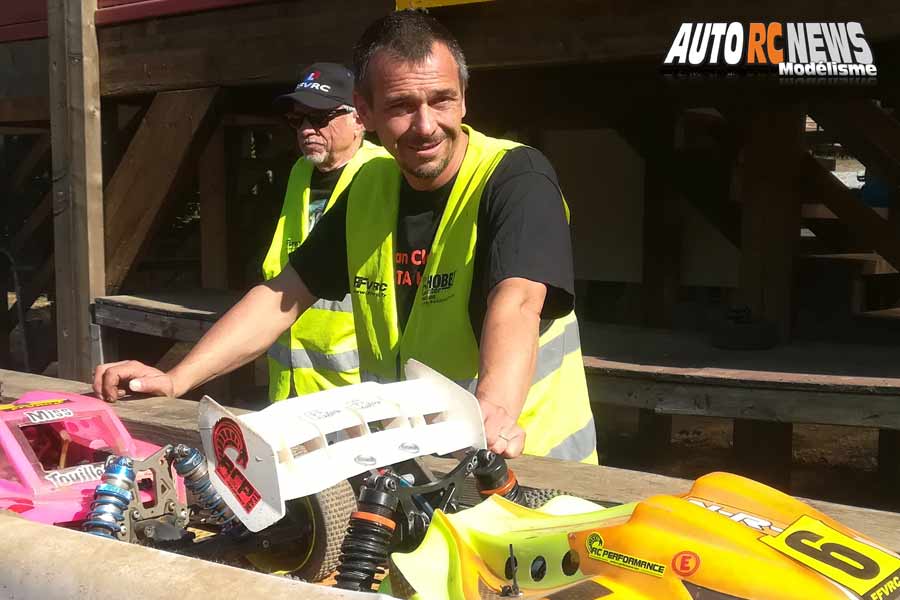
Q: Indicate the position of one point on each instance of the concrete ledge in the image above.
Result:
(53, 563)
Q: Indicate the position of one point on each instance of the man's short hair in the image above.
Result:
(407, 35)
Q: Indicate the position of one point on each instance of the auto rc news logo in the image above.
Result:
(819, 50)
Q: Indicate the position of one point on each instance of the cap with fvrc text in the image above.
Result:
(323, 86)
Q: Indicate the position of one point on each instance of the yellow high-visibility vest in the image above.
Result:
(556, 416)
(319, 350)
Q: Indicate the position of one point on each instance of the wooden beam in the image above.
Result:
(764, 451)
(866, 130)
(5, 327)
(770, 214)
(662, 233)
(864, 223)
(146, 175)
(39, 282)
(250, 120)
(77, 178)
(38, 217)
(702, 177)
(198, 50)
(24, 130)
(25, 110)
(213, 224)
(661, 264)
(763, 401)
(38, 151)
(184, 51)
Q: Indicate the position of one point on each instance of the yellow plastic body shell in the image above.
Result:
(709, 538)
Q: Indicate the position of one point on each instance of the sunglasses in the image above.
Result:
(318, 120)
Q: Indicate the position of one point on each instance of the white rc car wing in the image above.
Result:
(301, 446)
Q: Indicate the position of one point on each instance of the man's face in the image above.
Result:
(417, 111)
(329, 143)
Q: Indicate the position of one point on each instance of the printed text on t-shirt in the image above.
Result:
(410, 266)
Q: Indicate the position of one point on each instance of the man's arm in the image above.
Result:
(526, 256)
(242, 334)
(509, 343)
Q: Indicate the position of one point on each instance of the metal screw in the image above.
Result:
(149, 531)
(135, 514)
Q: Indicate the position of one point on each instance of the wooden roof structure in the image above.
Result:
(535, 63)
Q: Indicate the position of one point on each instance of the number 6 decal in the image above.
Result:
(836, 555)
(850, 562)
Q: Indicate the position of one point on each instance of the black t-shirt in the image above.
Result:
(522, 232)
(321, 186)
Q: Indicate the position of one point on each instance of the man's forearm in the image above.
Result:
(245, 331)
(509, 343)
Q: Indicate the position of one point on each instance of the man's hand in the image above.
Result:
(242, 334)
(503, 435)
(114, 380)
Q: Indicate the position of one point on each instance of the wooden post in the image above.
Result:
(214, 233)
(770, 230)
(889, 460)
(213, 225)
(77, 178)
(4, 318)
(662, 234)
(770, 223)
(763, 451)
(661, 266)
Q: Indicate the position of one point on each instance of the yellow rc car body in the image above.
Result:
(728, 538)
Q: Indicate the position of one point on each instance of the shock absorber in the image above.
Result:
(493, 476)
(111, 498)
(191, 466)
(365, 548)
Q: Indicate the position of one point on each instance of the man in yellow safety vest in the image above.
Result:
(319, 350)
(455, 251)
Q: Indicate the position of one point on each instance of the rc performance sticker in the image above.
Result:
(598, 551)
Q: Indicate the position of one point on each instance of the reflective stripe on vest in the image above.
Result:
(579, 446)
(345, 305)
(300, 358)
(319, 351)
(439, 330)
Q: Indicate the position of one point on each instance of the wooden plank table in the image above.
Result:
(168, 420)
(182, 316)
(666, 373)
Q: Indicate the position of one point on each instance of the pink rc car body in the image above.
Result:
(53, 447)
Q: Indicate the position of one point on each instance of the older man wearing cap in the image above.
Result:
(319, 350)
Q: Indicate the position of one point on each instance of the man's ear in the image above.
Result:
(364, 111)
